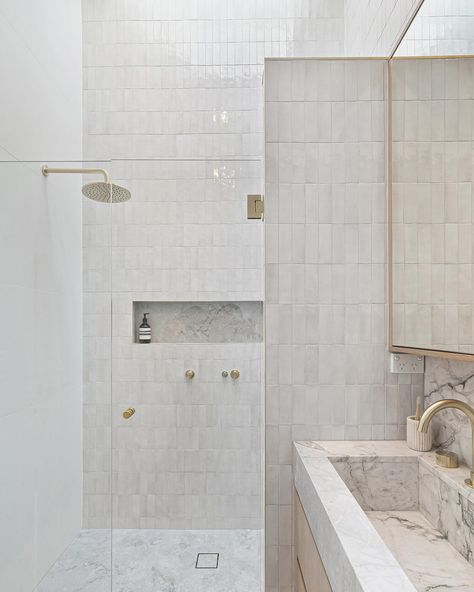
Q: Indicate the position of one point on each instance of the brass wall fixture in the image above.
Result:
(234, 374)
(255, 207)
(127, 414)
(189, 374)
(450, 404)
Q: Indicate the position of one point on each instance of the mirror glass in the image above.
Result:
(431, 197)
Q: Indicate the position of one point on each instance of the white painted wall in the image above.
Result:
(40, 288)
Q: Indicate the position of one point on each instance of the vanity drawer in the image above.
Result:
(310, 572)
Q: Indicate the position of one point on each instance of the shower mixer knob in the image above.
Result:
(189, 374)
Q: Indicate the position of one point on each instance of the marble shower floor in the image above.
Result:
(157, 561)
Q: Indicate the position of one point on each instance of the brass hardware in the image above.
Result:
(189, 374)
(447, 459)
(46, 170)
(225, 374)
(450, 404)
(255, 207)
(234, 374)
(127, 414)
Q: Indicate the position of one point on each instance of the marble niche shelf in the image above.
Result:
(201, 322)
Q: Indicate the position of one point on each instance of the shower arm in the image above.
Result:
(46, 170)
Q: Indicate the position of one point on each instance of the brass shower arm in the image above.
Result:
(46, 170)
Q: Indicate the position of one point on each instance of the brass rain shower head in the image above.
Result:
(101, 191)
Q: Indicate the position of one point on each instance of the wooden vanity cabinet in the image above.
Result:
(310, 573)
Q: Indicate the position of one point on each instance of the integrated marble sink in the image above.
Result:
(428, 559)
(387, 518)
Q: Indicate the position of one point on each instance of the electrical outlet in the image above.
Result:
(407, 364)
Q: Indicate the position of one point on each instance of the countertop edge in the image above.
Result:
(355, 557)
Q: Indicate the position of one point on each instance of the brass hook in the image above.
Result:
(127, 414)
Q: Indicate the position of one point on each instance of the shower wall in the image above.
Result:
(40, 289)
(173, 93)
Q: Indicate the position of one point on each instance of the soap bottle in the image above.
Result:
(144, 330)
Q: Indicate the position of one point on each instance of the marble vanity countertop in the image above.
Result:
(355, 556)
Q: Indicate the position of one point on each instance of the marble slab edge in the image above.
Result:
(355, 557)
(340, 450)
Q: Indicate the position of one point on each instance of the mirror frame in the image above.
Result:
(452, 355)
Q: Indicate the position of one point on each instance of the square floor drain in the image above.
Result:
(207, 561)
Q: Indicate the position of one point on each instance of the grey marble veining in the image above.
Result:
(381, 485)
(423, 552)
(157, 561)
(449, 379)
(202, 322)
(449, 507)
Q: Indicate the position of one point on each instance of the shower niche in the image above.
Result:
(200, 322)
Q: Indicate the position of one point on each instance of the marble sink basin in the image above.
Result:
(390, 516)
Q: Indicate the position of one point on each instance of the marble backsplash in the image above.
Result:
(448, 508)
(448, 379)
(201, 322)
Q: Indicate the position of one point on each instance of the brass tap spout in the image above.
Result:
(450, 404)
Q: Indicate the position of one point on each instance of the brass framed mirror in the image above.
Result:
(430, 186)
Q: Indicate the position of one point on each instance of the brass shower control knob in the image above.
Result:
(234, 374)
(127, 414)
(189, 374)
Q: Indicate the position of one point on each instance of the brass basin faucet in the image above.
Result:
(450, 404)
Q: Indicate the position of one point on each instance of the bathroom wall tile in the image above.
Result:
(192, 115)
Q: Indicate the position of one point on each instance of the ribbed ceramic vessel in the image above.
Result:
(418, 440)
